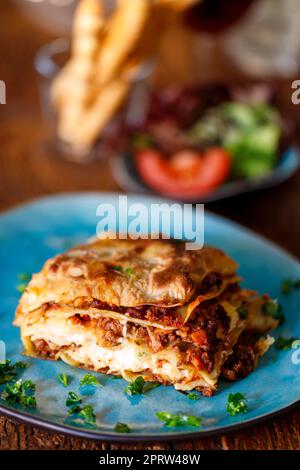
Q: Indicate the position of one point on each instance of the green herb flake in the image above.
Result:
(284, 344)
(136, 387)
(63, 379)
(21, 391)
(73, 399)
(90, 379)
(9, 371)
(122, 427)
(19, 365)
(288, 285)
(21, 288)
(86, 413)
(130, 271)
(29, 402)
(150, 386)
(117, 268)
(193, 396)
(273, 309)
(139, 386)
(25, 277)
(242, 311)
(74, 409)
(174, 420)
(237, 404)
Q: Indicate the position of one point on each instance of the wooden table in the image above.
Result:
(25, 173)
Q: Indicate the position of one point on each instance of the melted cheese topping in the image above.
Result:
(77, 345)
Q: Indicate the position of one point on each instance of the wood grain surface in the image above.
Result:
(28, 169)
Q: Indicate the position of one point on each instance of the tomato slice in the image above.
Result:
(186, 174)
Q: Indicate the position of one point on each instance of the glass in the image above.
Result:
(49, 60)
(213, 16)
(266, 42)
(54, 16)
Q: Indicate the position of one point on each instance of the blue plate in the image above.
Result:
(33, 232)
(127, 177)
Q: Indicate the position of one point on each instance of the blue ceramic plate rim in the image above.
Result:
(50, 425)
(288, 164)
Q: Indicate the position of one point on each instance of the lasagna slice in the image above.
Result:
(146, 308)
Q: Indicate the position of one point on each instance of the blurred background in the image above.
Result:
(187, 99)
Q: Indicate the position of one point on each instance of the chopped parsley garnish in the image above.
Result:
(24, 277)
(21, 391)
(273, 309)
(74, 409)
(73, 399)
(21, 288)
(242, 311)
(270, 308)
(9, 371)
(284, 344)
(117, 268)
(174, 420)
(122, 427)
(86, 413)
(139, 386)
(90, 379)
(63, 378)
(116, 377)
(193, 396)
(28, 401)
(136, 387)
(237, 403)
(150, 386)
(288, 285)
(190, 395)
(129, 271)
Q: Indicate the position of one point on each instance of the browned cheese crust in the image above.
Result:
(125, 273)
